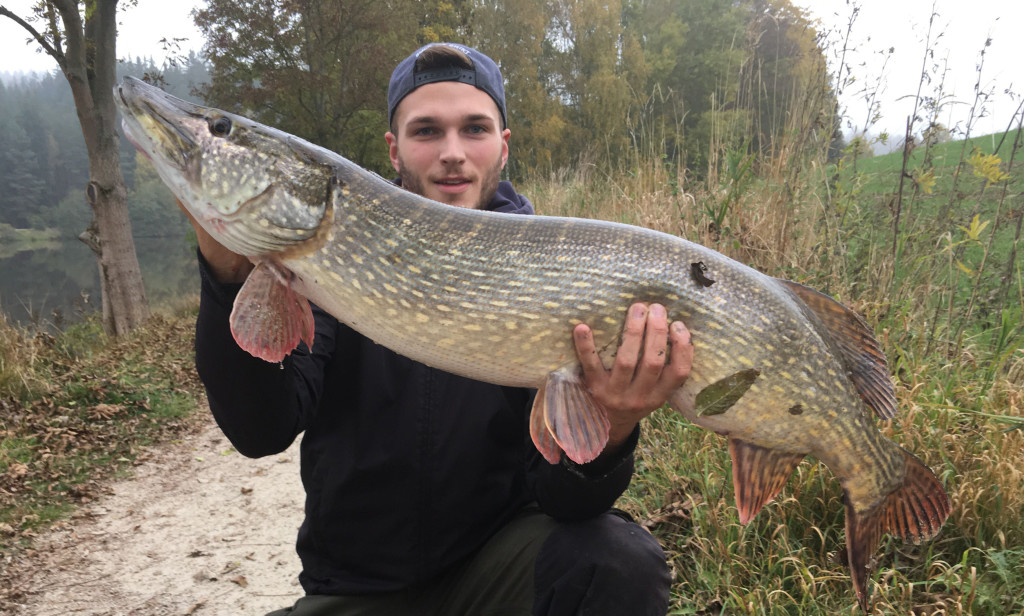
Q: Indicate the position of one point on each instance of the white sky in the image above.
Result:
(140, 29)
(901, 24)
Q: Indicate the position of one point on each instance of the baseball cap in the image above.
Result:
(484, 75)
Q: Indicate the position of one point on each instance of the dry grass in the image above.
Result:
(18, 355)
(964, 420)
(76, 407)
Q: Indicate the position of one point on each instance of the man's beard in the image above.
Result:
(488, 186)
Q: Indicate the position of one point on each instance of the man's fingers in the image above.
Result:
(586, 352)
(680, 361)
(628, 355)
(655, 340)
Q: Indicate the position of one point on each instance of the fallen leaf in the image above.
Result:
(241, 581)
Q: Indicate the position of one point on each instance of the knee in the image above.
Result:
(606, 565)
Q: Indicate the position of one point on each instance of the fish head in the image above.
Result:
(257, 190)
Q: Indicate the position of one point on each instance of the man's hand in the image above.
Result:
(641, 379)
(225, 265)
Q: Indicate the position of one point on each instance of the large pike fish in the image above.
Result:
(781, 370)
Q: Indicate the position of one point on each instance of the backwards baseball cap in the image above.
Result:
(484, 75)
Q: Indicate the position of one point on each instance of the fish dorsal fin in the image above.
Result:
(858, 349)
(758, 474)
(269, 318)
(565, 417)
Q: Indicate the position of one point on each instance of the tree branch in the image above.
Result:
(54, 52)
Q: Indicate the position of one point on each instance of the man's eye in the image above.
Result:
(425, 131)
(476, 129)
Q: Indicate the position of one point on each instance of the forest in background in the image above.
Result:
(587, 83)
(43, 162)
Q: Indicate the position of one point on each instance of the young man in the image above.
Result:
(424, 493)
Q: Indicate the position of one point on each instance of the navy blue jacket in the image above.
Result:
(407, 469)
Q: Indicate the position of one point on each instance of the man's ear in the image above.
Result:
(505, 134)
(393, 149)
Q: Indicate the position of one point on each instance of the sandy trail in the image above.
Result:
(198, 529)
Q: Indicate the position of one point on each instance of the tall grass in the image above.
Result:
(934, 270)
(963, 414)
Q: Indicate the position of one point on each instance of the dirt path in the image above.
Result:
(198, 529)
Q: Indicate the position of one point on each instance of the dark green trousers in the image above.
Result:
(534, 565)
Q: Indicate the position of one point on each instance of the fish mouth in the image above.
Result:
(155, 123)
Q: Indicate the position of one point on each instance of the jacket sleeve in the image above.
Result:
(568, 491)
(260, 406)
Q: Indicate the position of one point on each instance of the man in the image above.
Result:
(424, 493)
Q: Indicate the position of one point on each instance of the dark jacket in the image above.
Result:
(407, 469)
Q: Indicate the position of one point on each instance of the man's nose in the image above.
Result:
(452, 150)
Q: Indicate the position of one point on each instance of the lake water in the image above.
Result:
(56, 285)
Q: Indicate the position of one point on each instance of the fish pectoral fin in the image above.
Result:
(914, 511)
(858, 349)
(566, 417)
(758, 474)
(269, 318)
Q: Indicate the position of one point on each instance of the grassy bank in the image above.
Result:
(78, 407)
(15, 240)
(11, 235)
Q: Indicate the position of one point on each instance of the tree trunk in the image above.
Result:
(86, 53)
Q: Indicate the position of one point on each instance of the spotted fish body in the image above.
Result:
(780, 369)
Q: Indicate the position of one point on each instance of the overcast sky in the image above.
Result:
(964, 26)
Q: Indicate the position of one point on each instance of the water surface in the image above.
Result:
(54, 284)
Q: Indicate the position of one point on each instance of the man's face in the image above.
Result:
(448, 144)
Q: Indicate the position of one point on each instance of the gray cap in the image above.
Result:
(484, 75)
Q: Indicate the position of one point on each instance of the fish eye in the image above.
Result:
(220, 127)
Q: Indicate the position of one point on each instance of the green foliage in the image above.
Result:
(19, 161)
(43, 161)
(317, 69)
(152, 204)
(574, 71)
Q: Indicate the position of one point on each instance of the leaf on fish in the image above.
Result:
(719, 396)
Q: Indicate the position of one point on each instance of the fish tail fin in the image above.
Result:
(914, 511)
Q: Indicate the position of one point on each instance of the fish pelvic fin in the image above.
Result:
(539, 433)
(758, 474)
(915, 511)
(268, 318)
(856, 346)
(565, 417)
